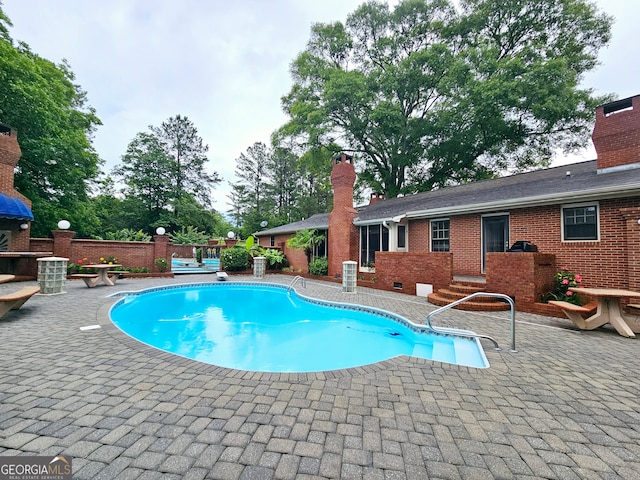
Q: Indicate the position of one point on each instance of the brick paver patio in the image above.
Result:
(565, 406)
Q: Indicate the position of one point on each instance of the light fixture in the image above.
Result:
(64, 224)
(24, 226)
(160, 231)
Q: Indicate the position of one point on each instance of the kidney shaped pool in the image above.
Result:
(270, 328)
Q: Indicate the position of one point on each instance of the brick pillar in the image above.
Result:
(161, 249)
(631, 216)
(343, 236)
(62, 243)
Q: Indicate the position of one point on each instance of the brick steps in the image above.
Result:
(458, 290)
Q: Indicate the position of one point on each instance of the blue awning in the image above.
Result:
(14, 208)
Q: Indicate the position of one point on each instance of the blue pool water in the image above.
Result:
(270, 328)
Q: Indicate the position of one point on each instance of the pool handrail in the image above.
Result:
(470, 334)
(303, 281)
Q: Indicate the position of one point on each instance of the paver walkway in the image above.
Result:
(565, 406)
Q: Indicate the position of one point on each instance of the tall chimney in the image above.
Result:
(343, 234)
(616, 135)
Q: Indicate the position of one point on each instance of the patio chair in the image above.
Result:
(13, 301)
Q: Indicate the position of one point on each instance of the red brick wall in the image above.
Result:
(297, 258)
(464, 243)
(522, 276)
(413, 267)
(616, 137)
(129, 254)
(419, 235)
(602, 263)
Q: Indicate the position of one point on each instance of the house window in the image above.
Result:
(272, 241)
(373, 238)
(320, 250)
(580, 222)
(440, 235)
(402, 236)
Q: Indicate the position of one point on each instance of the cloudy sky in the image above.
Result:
(223, 64)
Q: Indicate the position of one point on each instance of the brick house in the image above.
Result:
(584, 217)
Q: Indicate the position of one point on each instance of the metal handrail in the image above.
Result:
(296, 278)
(469, 297)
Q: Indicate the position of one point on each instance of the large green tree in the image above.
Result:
(427, 94)
(181, 143)
(164, 170)
(250, 191)
(55, 126)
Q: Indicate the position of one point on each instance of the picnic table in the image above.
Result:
(609, 310)
(103, 275)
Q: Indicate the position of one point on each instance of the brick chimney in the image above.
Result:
(616, 135)
(9, 155)
(376, 197)
(343, 234)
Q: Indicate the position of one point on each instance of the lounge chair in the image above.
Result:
(13, 301)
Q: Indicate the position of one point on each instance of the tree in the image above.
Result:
(251, 189)
(144, 171)
(428, 95)
(55, 126)
(180, 142)
(163, 170)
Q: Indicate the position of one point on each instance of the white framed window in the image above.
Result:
(580, 222)
(440, 235)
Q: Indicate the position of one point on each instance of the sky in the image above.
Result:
(223, 64)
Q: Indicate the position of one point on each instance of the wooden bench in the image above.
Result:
(13, 301)
(575, 312)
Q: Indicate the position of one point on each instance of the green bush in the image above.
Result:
(128, 235)
(275, 258)
(189, 236)
(162, 264)
(235, 259)
(319, 266)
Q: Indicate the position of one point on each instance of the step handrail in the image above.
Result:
(295, 279)
(469, 297)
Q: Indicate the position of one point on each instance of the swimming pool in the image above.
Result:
(271, 328)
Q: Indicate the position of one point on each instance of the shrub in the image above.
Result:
(161, 264)
(189, 236)
(562, 281)
(128, 235)
(275, 258)
(319, 266)
(235, 259)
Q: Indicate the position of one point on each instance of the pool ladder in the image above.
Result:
(469, 334)
(303, 281)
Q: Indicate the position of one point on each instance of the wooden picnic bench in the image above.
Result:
(14, 300)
